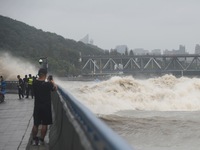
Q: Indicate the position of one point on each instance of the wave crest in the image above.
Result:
(166, 93)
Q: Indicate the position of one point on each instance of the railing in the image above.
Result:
(76, 128)
(11, 87)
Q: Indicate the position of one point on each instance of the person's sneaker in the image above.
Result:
(35, 142)
(41, 142)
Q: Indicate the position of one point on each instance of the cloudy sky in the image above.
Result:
(148, 24)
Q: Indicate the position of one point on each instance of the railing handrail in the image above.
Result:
(99, 134)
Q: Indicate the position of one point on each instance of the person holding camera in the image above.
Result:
(42, 114)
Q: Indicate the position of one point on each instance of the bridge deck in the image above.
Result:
(16, 124)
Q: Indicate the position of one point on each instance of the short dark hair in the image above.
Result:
(42, 71)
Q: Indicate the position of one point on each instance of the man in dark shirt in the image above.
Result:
(25, 79)
(2, 89)
(20, 87)
(42, 105)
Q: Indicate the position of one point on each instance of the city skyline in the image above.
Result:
(87, 40)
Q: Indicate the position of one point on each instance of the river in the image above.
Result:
(159, 113)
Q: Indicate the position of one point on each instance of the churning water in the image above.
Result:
(153, 114)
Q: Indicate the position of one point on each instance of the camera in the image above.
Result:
(50, 78)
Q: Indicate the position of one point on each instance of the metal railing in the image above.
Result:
(11, 87)
(76, 128)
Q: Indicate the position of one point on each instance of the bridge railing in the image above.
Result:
(11, 87)
(77, 128)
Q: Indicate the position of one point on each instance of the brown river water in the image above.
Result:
(159, 113)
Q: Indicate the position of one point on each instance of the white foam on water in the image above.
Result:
(166, 93)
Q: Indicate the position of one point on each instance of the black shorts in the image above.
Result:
(42, 115)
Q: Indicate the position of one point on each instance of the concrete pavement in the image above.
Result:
(16, 123)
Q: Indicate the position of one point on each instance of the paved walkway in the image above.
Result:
(16, 124)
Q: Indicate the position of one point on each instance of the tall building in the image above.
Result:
(197, 49)
(156, 52)
(85, 39)
(140, 51)
(181, 50)
(121, 48)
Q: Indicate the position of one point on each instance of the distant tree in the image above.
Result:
(131, 53)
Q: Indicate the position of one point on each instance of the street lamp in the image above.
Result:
(43, 61)
(40, 61)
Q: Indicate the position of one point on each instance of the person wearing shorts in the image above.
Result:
(42, 114)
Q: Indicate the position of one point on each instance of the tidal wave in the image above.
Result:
(166, 93)
(153, 114)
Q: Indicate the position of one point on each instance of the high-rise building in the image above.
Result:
(197, 49)
(181, 50)
(140, 51)
(156, 52)
(85, 39)
(121, 48)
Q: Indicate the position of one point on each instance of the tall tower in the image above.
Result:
(85, 39)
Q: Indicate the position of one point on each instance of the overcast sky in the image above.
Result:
(148, 24)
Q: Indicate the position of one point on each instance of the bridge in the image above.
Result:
(187, 64)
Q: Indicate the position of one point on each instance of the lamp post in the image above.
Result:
(43, 61)
(95, 66)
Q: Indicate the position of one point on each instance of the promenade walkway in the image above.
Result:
(16, 123)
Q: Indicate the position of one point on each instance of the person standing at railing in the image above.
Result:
(2, 89)
(30, 86)
(20, 87)
(25, 80)
(42, 106)
(3, 84)
(1, 80)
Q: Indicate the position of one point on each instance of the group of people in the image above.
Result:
(25, 86)
(41, 90)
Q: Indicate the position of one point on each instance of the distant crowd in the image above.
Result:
(25, 86)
